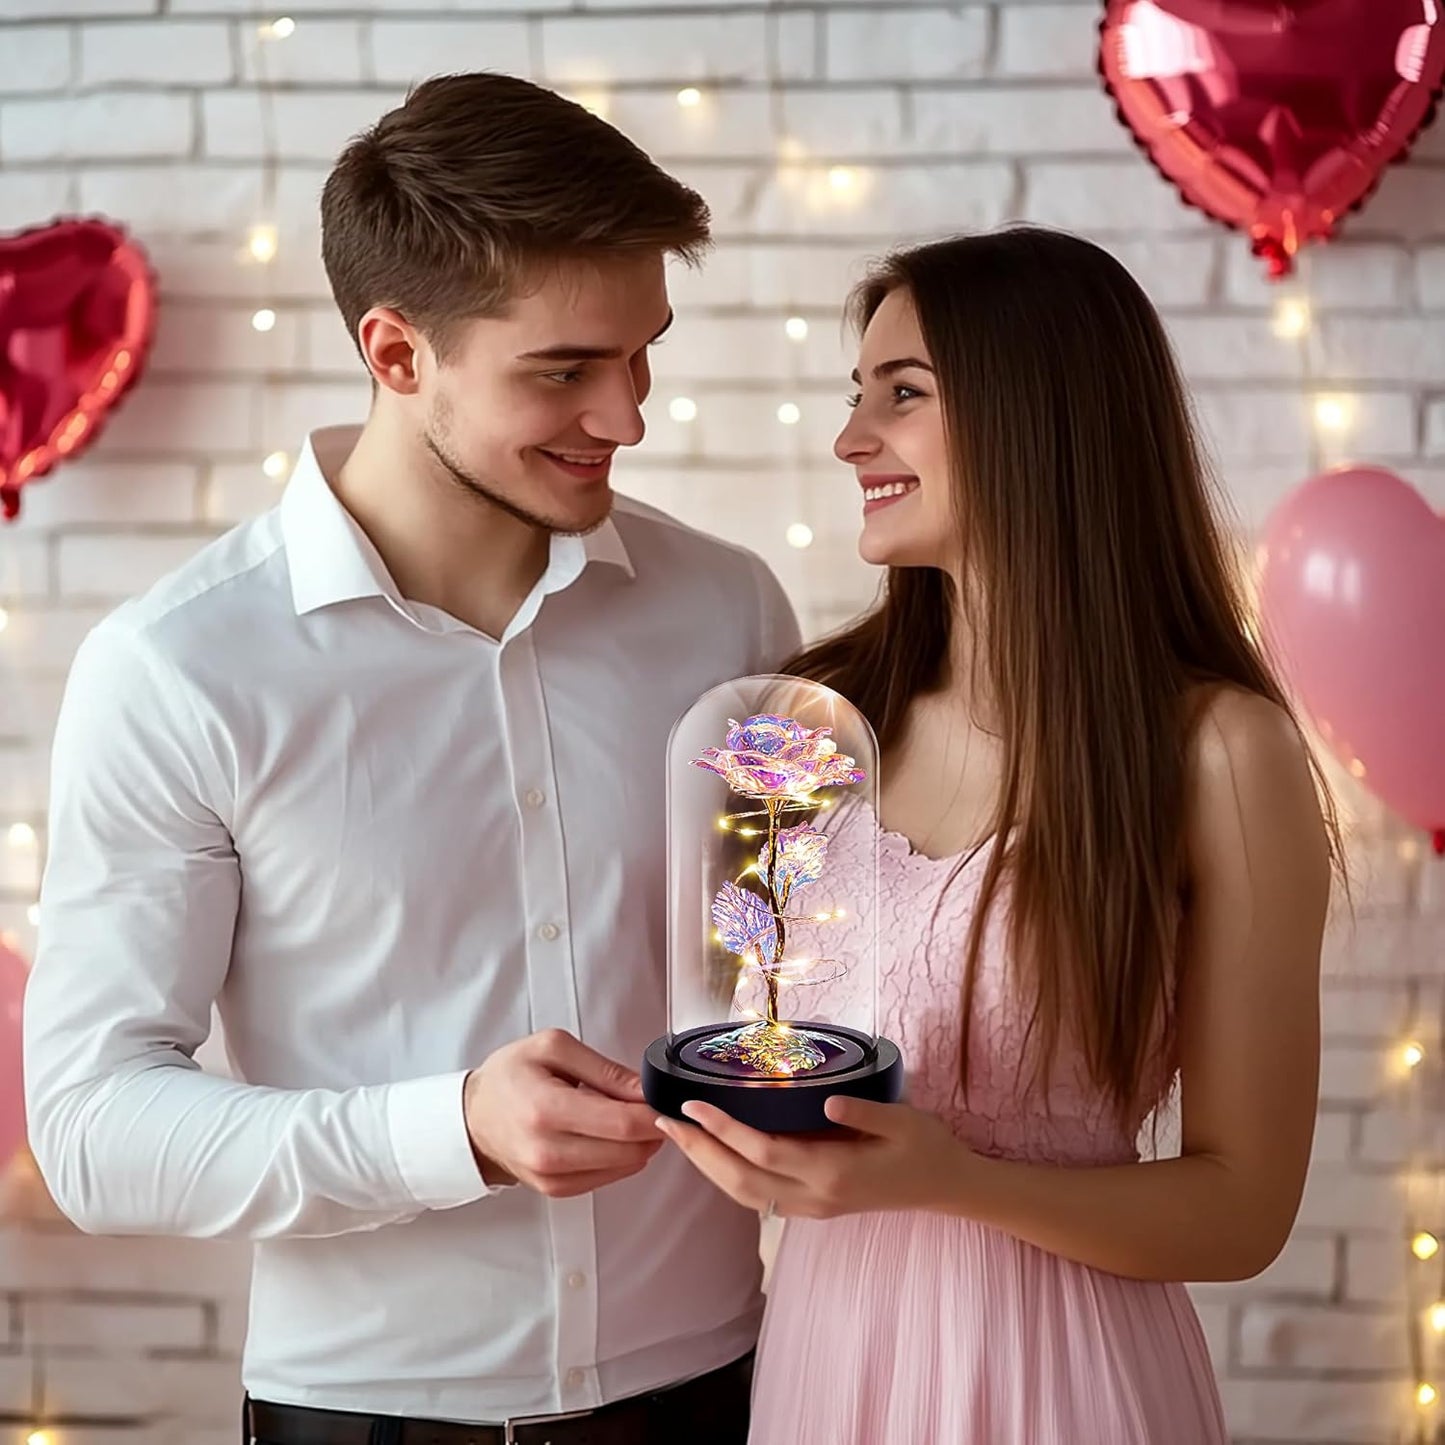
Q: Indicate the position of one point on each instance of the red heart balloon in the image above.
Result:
(1274, 116)
(77, 313)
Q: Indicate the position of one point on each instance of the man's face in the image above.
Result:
(529, 406)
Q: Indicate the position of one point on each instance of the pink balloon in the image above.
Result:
(13, 973)
(1352, 595)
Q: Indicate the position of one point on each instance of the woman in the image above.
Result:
(1101, 845)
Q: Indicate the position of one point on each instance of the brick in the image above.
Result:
(165, 52)
(1063, 120)
(216, 198)
(317, 52)
(96, 567)
(1350, 1009)
(35, 57)
(20, 866)
(1430, 277)
(1047, 40)
(796, 44)
(1334, 1137)
(1377, 1267)
(1321, 1338)
(1409, 206)
(17, 1382)
(238, 491)
(326, 345)
(1232, 348)
(404, 51)
(289, 412)
(24, 790)
(24, 563)
(1253, 426)
(79, 9)
(64, 1259)
(1341, 276)
(843, 125)
(1354, 1075)
(44, 638)
(223, 270)
(1104, 196)
(1374, 349)
(308, 125)
(115, 1325)
(84, 127)
(727, 123)
(685, 49)
(165, 418)
(1435, 429)
(942, 44)
(197, 339)
(92, 492)
(1173, 270)
(1338, 1197)
(29, 197)
(927, 199)
(1411, 1134)
(181, 1389)
(298, 199)
(1317, 1412)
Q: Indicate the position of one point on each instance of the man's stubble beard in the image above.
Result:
(474, 487)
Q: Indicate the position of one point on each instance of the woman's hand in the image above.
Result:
(892, 1157)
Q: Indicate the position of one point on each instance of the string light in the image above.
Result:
(21, 835)
(789, 414)
(689, 97)
(842, 179)
(797, 328)
(1424, 1245)
(262, 243)
(1333, 413)
(264, 319)
(682, 408)
(1411, 1054)
(32, 915)
(1426, 1394)
(1437, 1317)
(40, 1437)
(4, 619)
(275, 465)
(281, 28)
(1291, 318)
(800, 535)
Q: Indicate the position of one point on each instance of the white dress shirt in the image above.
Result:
(384, 844)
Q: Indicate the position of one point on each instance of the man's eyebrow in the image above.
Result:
(887, 368)
(567, 351)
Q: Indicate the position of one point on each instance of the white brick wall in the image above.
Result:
(948, 115)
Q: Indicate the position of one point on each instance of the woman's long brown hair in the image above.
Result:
(1102, 598)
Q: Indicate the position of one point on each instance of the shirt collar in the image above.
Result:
(332, 560)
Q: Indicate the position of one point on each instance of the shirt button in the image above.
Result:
(575, 1280)
(535, 797)
(574, 1378)
(549, 931)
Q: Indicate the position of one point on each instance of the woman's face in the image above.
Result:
(894, 442)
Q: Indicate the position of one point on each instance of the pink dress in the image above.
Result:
(924, 1329)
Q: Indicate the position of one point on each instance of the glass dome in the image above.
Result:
(772, 787)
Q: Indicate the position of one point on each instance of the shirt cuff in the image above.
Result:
(430, 1143)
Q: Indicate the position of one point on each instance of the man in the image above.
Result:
(381, 774)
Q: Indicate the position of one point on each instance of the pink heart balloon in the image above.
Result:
(1352, 596)
(13, 973)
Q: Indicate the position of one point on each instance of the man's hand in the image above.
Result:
(550, 1113)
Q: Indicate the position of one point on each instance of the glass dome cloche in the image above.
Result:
(772, 799)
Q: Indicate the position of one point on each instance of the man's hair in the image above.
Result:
(451, 203)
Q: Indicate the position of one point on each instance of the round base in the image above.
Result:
(776, 1106)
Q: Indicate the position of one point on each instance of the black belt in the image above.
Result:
(708, 1400)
